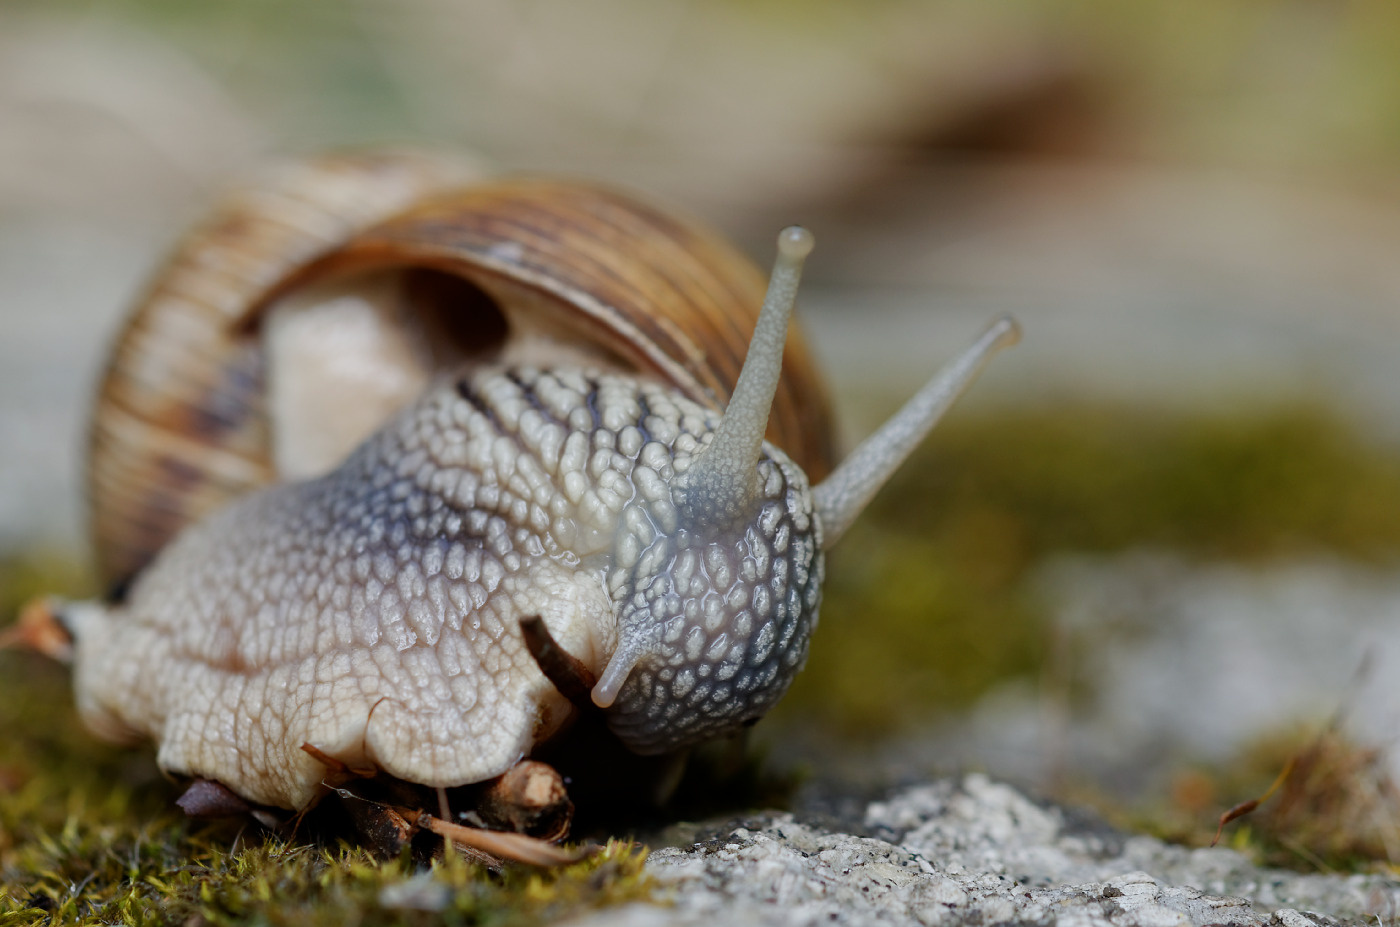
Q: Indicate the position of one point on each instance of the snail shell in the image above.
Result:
(504, 269)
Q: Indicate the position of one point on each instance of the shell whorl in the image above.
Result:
(178, 428)
(181, 425)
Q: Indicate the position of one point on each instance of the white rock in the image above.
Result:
(977, 853)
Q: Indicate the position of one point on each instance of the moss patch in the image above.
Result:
(95, 844)
(161, 874)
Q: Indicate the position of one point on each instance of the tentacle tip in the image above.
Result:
(1005, 332)
(614, 675)
(795, 243)
(603, 697)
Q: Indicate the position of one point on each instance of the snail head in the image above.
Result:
(717, 600)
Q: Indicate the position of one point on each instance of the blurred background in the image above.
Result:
(1158, 539)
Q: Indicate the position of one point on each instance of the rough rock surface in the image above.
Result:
(978, 852)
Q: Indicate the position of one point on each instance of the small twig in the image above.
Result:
(488, 847)
(529, 798)
(40, 629)
(1244, 808)
(516, 847)
(570, 676)
(445, 812)
(338, 766)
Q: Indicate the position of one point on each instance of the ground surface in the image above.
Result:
(949, 852)
(977, 851)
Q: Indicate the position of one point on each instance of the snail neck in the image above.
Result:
(721, 484)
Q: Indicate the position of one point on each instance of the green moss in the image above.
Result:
(906, 633)
(93, 837)
(929, 602)
(162, 874)
(1102, 478)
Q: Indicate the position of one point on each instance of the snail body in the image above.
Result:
(379, 615)
(370, 602)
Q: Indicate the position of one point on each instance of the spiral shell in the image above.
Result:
(182, 424)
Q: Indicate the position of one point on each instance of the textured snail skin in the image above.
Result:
(374, 612)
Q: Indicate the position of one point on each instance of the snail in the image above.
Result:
(398, 468)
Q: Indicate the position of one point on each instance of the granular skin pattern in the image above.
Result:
(373, 613)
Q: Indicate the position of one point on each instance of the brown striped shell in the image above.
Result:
(182, 426)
